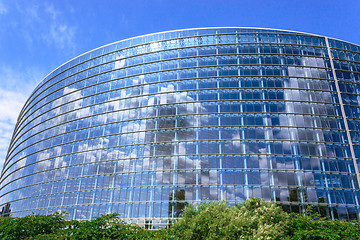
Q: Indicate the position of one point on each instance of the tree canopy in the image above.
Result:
(253, 219)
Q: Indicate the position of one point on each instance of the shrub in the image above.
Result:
(30, 226)
(254, 219)
(311, 226)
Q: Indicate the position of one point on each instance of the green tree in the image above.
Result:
(311, 226)
(30, 226)
(54, 226)
(254, 219)
(104, 227)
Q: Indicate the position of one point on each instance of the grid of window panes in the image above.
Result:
(346, 58)
(145, 126)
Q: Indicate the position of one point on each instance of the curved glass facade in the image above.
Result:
(147, 125)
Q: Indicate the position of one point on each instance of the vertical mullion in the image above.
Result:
(342, 110)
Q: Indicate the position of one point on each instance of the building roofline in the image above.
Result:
(185, 29)
(177, 30)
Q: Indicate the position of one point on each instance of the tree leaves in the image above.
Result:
(254, 219)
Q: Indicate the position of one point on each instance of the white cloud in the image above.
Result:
(52, 11)
(3, 9)
(10, 106)
(15, 87)
(43, 22)
(59, 33)
(120, 62)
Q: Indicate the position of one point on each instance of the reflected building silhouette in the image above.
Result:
(147, 125)
(177, 203)
(5, 211)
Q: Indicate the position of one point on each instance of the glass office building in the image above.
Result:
(147, 125)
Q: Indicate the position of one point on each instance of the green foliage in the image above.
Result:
(312, 226)
(55, 227)
(254, 219)
(104, 227)
(30, 226)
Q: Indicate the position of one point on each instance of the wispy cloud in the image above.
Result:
(62, 35)
(20, 78)
(31, 24)
(15, 88)
(59, 32)
(3, 9)
(43, 22)
(10, 106)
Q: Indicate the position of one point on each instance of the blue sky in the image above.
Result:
(36, 36)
